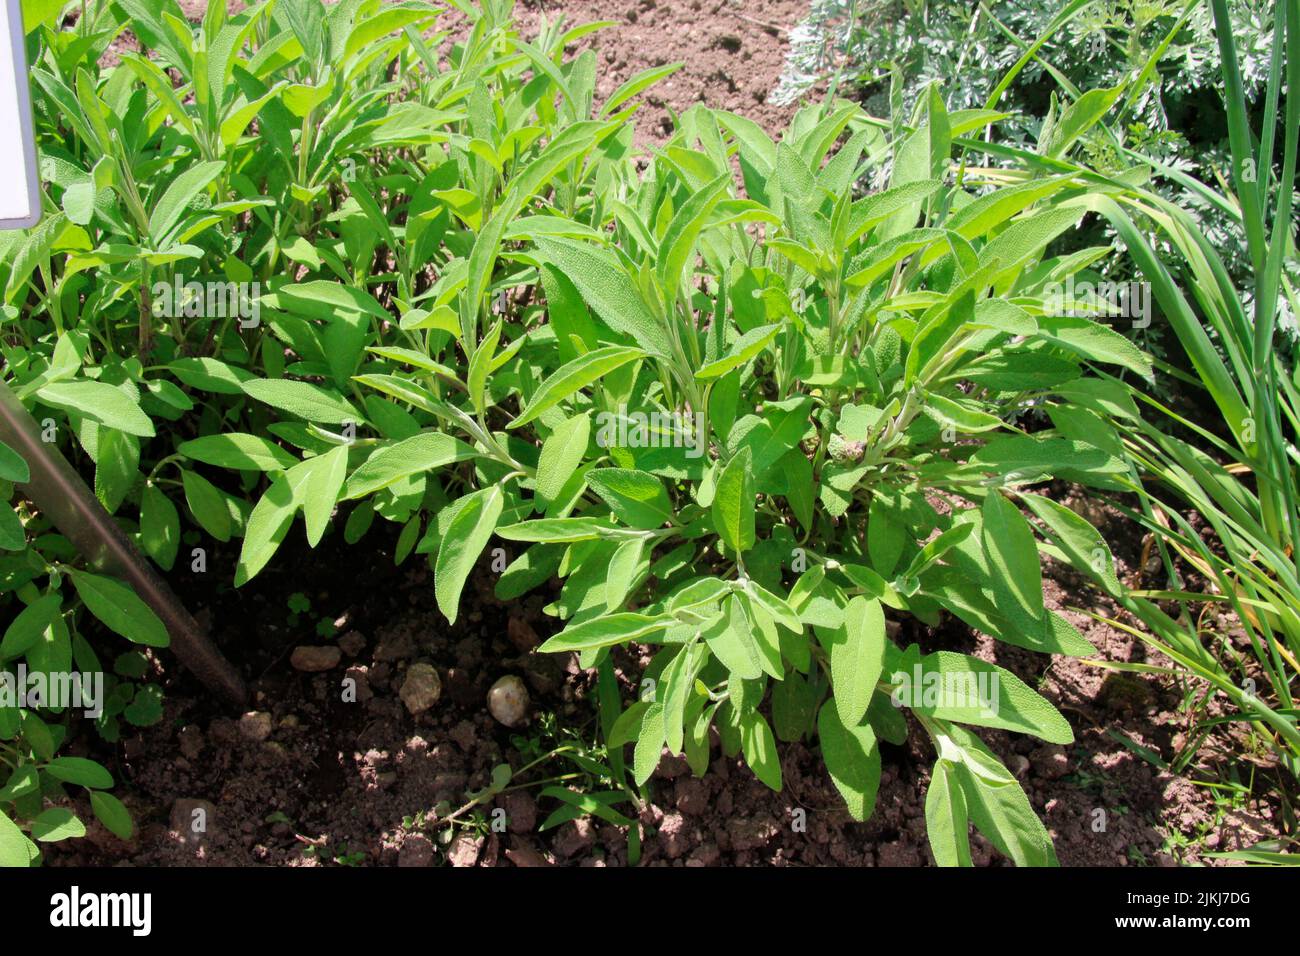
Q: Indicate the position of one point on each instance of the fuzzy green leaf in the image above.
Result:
(733, 503)
(466, 537)
(118, 608)
(573, 376)
(852, 758)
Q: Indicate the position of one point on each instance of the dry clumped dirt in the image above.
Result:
(732, 51)
(307, 779)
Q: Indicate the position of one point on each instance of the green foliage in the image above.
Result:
(748, 422)
(1246, 401)
(51, 676)
(753, 422)
(1204, 131)
(1158, 58)
(251, 226)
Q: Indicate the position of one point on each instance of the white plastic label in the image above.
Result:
(20, 196)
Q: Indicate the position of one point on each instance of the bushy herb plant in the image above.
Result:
(239, 220)
(726, 406)
(760, 416)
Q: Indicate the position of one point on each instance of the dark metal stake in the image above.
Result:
(57, 489)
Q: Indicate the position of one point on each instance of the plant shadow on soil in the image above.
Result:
(312, 780)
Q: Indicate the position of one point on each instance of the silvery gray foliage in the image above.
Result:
(940, 40)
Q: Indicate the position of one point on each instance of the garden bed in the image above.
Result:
(354, 779)
(305, 778)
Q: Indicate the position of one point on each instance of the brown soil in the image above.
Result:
(733, 51)
(363, 782)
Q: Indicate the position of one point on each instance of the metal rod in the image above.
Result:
(58, 491)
